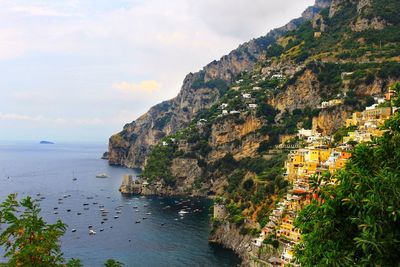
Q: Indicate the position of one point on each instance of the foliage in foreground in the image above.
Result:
(29, 240)
(357, 223)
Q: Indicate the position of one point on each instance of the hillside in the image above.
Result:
(220, 137)
(199, 91)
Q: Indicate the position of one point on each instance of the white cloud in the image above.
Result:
(77, 59)
(246, 19)
(40, 11)
(148, 87)
(46, 120)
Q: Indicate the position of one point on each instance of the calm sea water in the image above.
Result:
(163, 239)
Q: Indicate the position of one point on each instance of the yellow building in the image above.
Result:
(354, 120)
(377, 113)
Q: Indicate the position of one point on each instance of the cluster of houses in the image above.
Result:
(247, 98)
(246, 94)
(316, 158)
(331, 103)
(367, 123)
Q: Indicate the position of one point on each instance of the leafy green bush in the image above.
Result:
(356, 223)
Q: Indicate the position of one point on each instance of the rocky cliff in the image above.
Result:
(218, 137)
(200, 90)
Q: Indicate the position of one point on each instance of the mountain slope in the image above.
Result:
(200, 90)
(346, 53)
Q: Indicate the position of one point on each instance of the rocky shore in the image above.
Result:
(229, 236)
(156, 188)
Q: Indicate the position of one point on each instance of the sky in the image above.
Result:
(78, 70)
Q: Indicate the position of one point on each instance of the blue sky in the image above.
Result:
(78, 70)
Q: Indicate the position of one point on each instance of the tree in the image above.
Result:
(357, 221)
(113, 263)
(28, 239)
(74, 263)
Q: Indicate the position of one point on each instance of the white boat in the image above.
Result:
(92, 232)
(182, 212)
(101, 175)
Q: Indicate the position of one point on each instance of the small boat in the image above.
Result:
(85, 208)
(116, 217)
(137, 221)
(182, 212)
(101, 175)
(68, 210)
(56, 212)
(101, 230)
(73, 230)
(144, 218)
(78, 213)
(137, 210)
(118, 211)
(148, 213)
(73, 177)
(92, 232)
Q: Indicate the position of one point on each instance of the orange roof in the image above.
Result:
(299, 191)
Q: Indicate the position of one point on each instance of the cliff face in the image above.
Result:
(225, 138)
(304, 92)
(131, 146)
(252, 256)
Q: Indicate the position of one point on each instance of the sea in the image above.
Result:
(137, 231)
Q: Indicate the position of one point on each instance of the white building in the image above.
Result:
(277, 76)
(246, 95)
(252, 105)
(374, 106)
(223, 105)
(234, 112)
(304, 133)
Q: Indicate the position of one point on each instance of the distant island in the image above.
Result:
(46, 143)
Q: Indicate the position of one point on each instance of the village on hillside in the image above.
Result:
(319, 155)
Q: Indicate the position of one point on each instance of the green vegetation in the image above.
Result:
(356, 223)
(159, 162)
(113, 263)
(30, 241)
(342, 132)
(218, 84)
